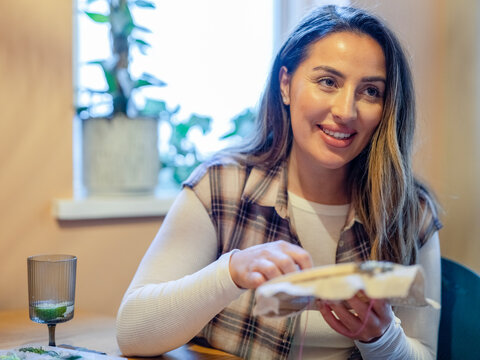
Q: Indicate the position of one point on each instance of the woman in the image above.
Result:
(326, 179)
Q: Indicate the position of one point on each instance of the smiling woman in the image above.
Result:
(335, 97)
(325, 178)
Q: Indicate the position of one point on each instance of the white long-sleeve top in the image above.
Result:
(180, 285)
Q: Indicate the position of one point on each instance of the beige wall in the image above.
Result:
(461, 130)
(36, 166)
(35, 144)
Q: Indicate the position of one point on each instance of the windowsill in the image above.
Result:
(108, 207)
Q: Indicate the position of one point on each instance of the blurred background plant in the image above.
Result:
(123, 93)
(242, 125)
(182, 155)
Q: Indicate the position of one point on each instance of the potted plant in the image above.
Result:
(120, 147)
(120, 144)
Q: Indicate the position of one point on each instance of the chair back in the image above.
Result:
(459, 332)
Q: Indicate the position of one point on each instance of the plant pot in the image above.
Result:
(120, 155)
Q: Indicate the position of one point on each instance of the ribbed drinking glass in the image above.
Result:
(51, 290)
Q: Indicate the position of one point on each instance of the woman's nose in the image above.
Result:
(344, 105)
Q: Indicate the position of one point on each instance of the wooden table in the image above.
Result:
(91, 331)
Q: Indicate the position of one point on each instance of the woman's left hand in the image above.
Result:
(355, 319)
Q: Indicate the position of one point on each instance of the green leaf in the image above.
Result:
(99, 18)
(9, 357)
(140, 83)
(111, 81)
(174, 111)
(153, 108)
(142, 43)
(142, 46)
(181, 173)
(145, 4)
(109, 75)
(94, 62)
(54, 354)
(40, 351)
(181, 130)
(142, 28)
(202, 121)
(127, 30)
(34, 350)
(243, 124)
(80, 109)
(148, 81)
(153, 80)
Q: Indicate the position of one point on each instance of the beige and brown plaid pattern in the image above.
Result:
(248, 206)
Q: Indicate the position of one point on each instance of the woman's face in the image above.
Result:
(336, 99)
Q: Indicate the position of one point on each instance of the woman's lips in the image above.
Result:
(336, 137)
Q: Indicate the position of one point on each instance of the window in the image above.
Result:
(214, 56)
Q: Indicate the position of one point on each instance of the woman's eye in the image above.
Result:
(328, 82)
(372, 92)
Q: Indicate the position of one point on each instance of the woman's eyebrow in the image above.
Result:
(329, 69)
(374, 79)
(335, 72)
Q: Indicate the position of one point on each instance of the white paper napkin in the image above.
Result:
(288, 294)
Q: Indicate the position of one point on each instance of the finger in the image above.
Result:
(266, 267)
(382, 308)
(350, 320)
(360, 303)
(284, 262)
(359, 306)
(254, 280)
(363, 296)
(303, 260)
(301, 257)
(332, 321)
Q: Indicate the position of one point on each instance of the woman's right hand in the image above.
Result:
(251, 267)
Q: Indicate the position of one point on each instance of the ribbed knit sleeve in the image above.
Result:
(179, 285)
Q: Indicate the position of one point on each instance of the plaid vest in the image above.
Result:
(248, 206)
